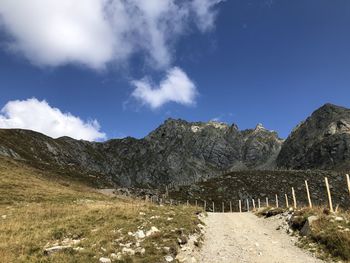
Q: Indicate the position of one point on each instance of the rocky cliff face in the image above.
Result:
(322, 141)
(177, 151)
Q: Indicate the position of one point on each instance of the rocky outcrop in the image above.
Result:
(322, 141)
(177, 151)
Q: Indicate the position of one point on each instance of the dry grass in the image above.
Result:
(36, 212)
(333, 236)
(270, 211)
(331, 232)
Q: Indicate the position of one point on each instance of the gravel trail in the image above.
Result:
(243, 237)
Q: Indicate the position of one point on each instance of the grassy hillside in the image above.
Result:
(40, 210)
(261, 184)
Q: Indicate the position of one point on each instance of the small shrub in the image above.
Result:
(59, 233)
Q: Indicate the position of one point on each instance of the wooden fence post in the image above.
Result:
(276, 201)
(213, 207)
(230, 206)
(253, 204)
(223, 207)
(287, 203)
(267, 202)
(247, 205)
(308, 194)
(294, 198)
(196, 203)
(205, 205)
(187, 203)
(348, 180)
(259, 203)
(240, 206)
(329, 195)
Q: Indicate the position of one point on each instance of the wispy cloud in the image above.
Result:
(97, 32)
(39, 116)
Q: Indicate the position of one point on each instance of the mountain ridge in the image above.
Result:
(179, 151)
(176, 151)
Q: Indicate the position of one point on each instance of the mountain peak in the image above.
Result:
(329, 107)
(259, 126)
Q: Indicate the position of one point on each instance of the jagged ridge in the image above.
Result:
(177, 151)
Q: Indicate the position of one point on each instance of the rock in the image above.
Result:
(339, 219)
(152, 231)
(105, 260)
(166, 249)
(4, 217)
(79, 249)
(306, 229)
(169, 258)
(117, 256)
(297, 222)
(140, 234)
(182, 240)
(274, 212)
(125, 245)
(128, 251)
(140, 250)
(200, 226)
(55, 249)
(290, 231)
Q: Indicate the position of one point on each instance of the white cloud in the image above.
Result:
(97, 32)
(205, 13)
(41, 117)
(175, 87)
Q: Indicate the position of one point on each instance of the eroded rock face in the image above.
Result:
(322, 141)
(177, 151)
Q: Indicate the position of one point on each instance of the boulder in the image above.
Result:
(140, 234)
(306, 229)
(152, 231)
(55, 249)
(105, 260)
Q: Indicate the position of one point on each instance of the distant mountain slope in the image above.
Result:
(322, 141)
(177, 151)
(243, 185)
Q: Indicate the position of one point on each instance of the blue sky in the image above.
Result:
(270, 62)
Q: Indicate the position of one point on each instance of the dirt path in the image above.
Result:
(243, 237)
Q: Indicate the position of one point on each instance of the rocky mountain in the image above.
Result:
(322, 141)
(184, 152)
(177, 151)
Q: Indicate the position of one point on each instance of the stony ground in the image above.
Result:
(243, 237)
